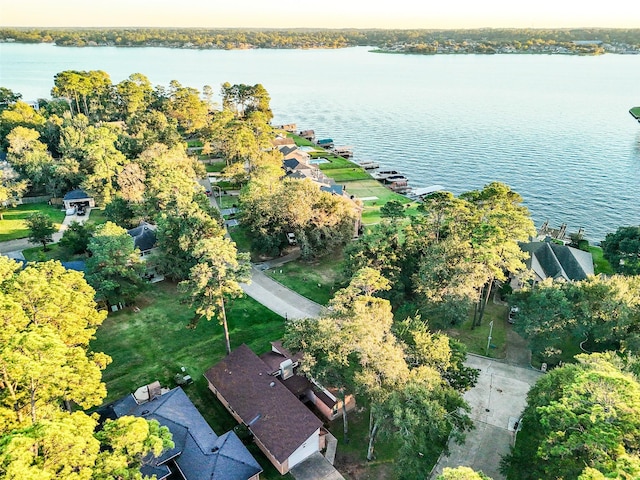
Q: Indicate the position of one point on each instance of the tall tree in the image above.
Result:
(218, 273)
(28, 155)
(41, 229)
(182, 225)
(502, 222)
(461, 473)
(10, 190)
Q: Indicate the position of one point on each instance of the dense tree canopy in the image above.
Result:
(320, 221)
(114, 268)
(622, 250)
(47, 317)
(446, 258)
(605, 311)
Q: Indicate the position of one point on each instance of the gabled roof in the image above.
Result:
(550, 260)
(287, 149)
(275, 416)
(199, 453)
(144, 236)
(76, 195)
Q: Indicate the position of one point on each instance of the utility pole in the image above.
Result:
(489, 339)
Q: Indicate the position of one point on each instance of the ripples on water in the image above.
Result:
(555, 128)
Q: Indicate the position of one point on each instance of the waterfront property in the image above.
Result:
(560, 262)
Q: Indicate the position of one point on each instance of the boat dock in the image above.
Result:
(420, 193)
(368, 164)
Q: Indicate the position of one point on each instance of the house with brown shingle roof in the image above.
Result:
(284, 429)
(284, 366)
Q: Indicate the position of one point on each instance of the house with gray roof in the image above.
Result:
(144, 238)
(199, 453)
(284, 429)
(551, 260)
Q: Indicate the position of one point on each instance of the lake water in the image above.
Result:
(555, 128)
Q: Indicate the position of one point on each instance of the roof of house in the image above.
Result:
(335, 189)
(550, 260)
(287, 149)
(275, 416)
(77, 265)
(76, 195)
(199, 452)
(144, 236)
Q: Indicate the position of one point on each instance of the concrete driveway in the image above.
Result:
(497, 401)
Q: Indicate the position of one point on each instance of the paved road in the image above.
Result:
(273, 295)
(280, 299)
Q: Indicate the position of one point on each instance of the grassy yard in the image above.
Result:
(372, 188)
(476, 339)
(242, 237)
(600, 264)
(315, 280)
(215, 167)
(13, 226)
(97, 217)
(154, 343)
(54, 252)
(347, 174)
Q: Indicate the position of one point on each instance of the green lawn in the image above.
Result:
(155, 342)
(315, 280)
(372, 188)
(13, 226)
(97, 216)
(347, 174)
(54, 252)
(600, 264)
(215, 167)
(336, 163)
(301, 142)
(476, 339)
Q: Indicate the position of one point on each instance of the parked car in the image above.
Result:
(81, 211)
(291, 238)
(513, 311)
(70, 211)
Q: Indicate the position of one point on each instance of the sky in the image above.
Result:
(400, 14)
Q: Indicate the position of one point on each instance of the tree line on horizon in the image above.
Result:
(309, 38)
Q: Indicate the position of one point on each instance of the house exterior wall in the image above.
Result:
(281, 467)
(309, 447)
